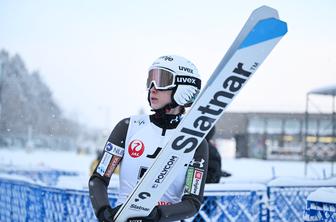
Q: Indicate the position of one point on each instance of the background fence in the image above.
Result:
(33, 200)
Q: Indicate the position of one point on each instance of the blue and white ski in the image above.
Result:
(262, 31)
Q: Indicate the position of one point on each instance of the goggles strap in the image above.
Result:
(188, 80)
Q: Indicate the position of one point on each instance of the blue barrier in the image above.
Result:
(321, 205)
(232, 202)
(287, 197)
(25, 200)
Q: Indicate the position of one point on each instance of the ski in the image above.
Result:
(262, 31)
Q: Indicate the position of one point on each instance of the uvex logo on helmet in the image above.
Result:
(182, 68)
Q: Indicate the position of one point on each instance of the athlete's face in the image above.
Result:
(159, 98)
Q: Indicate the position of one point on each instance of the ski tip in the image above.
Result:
(266, 12)
(264, 30)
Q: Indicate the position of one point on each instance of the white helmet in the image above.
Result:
(176, 73)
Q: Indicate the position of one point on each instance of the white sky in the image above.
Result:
(94, 55)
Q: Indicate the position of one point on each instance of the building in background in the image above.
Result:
(309, 136)
(323, 145)
(278, 135)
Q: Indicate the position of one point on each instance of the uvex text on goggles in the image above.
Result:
(164, 79)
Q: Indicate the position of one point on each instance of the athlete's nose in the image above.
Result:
(153, 89)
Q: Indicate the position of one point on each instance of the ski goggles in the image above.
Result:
(164, 79)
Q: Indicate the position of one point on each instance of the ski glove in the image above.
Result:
(107, 214)
(154, 216)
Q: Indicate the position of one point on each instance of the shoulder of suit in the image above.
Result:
(139, 120)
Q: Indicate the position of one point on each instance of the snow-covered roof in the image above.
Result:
(326, 90)
(324, 195)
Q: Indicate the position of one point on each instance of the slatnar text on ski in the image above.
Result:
(231, 86)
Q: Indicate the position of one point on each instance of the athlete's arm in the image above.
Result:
(194, 189)
(100, 179)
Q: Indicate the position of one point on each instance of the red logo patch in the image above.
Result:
(198, 174)
(164, 203)
(136, 148)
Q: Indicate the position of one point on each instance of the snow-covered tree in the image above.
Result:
(27, 104)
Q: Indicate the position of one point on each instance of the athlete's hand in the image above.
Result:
(107, 214)
(154, 216)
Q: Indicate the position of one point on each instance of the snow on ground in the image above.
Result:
(62, 160)
(50, 160)
(243, 170)
(263, 170)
